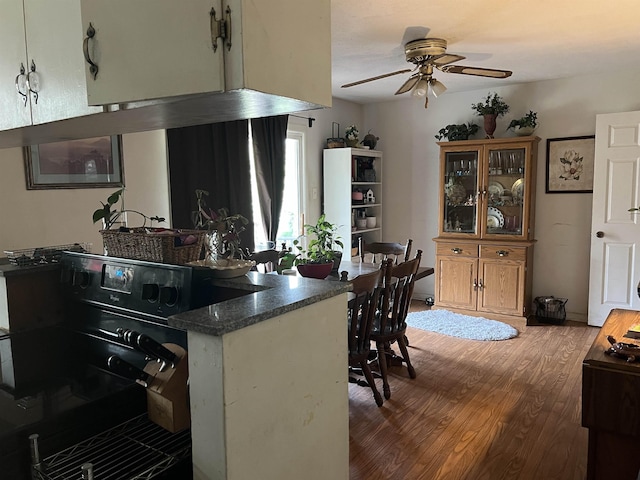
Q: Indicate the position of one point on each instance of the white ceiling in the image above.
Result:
(535, 39)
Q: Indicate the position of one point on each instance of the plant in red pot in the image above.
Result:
(316, 258)
(491, 108)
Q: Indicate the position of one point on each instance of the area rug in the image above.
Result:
(462, 326)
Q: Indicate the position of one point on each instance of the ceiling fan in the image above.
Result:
(427, 53)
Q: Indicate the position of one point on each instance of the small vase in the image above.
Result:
(213, 246)
(352, 143)
(490, 124)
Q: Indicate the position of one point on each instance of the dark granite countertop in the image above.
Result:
(9, 270)
(271, 295)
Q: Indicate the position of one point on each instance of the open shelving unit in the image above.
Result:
(349, 170)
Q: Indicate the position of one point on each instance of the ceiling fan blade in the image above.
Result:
(359, 82)
(480, 72)
(445, 59)
(409, 84)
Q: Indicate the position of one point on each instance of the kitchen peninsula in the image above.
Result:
(267, 366)
(268, 380)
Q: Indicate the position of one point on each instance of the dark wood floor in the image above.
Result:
(478, 410)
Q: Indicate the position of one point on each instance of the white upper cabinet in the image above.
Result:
(55, 51)
(150, 49)
(154, 49)
(14, 111)
(40, 37)
(156, 64)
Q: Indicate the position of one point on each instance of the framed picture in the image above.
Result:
(86, 163)
(570, 164)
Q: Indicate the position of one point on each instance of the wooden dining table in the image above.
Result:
(354, 269)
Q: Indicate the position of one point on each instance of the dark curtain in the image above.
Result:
(269, 139)
(213, 157)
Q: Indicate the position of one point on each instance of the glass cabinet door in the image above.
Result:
(504, 196)
(461, 170)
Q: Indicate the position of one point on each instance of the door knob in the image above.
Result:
(599, 234)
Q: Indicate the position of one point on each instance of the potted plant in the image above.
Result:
(491, 108)
(316, 260)
(455, 132)
(351, 135)
(524, 125)
(109, 217)
(165, 245)
(222, 240)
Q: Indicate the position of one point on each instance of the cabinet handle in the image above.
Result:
(456, 250)
(33, 81)
(480, 285)
(475, 285)
(502, 253)
(93, 68)
(21, 84)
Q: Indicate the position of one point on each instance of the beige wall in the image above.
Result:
(565, 107)
(36, 218)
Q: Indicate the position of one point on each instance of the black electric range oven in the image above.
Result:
(59, 396)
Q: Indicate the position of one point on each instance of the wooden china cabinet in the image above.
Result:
(484, 247)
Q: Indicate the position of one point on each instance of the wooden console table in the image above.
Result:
(611, 403)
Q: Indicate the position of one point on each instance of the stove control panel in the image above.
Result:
(154, 289)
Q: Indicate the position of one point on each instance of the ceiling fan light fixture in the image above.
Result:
(421, 89)
(437, 88)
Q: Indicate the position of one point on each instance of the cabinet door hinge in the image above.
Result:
(220, 28)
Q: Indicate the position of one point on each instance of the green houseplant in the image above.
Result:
(492, 107)
(524, 125)
(165, 245)
(110, 216)
(455, 132)
(223, 230)
(351, 135)
(316, 259)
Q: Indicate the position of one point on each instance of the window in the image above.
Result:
(289, 227)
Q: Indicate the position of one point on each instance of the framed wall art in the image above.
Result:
(86, 163)
(570, 164)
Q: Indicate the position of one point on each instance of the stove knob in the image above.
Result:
(169, 295)
(80, 279)
(150, 291)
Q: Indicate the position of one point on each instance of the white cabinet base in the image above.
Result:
(270, 401)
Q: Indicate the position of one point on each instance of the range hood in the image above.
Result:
(161, 114)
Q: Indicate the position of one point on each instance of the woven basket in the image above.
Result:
(153, 247)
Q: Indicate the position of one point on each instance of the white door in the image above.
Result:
(615, 233)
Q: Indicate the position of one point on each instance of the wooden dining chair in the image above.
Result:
(390, 325)
(362, 308)
(266, 260)
(381, 250)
